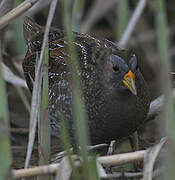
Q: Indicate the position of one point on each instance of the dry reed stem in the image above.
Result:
(150, 158)
(37, 86)
(121, 158)
(132, 23)
(112, 160)
(5, 6)
(12, 78)
(40, 170)
(104, 160)
(23, 7)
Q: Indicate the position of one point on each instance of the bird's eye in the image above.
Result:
(115, 68)
(116, 61)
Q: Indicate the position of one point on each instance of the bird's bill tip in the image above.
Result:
(129, 82)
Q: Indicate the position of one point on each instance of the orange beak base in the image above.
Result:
(129, 82)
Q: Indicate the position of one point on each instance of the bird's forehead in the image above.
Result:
(124, 56)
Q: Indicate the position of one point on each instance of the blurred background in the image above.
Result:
(102, 19)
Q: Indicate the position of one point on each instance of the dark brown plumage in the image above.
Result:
(115, 93)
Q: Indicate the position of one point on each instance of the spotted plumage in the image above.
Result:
(116, 95)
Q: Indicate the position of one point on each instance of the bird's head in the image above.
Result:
(123, 71)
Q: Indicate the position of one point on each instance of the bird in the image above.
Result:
(115, 93)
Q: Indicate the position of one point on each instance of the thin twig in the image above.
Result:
(19, 130)
(16, 12)
(132, 23)
(38, 7)
(37, 86)
(150, 158)
(5, 6)
(33, 116)
(12, 78)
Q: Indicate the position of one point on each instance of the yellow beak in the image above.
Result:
(129, 82)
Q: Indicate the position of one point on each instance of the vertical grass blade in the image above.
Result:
(78, 104)
(20, 44)
(67, 147)
(163, 47)
(79, 115)
(122, 17)
(77, 15)
(44, 121)
(5, 153)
